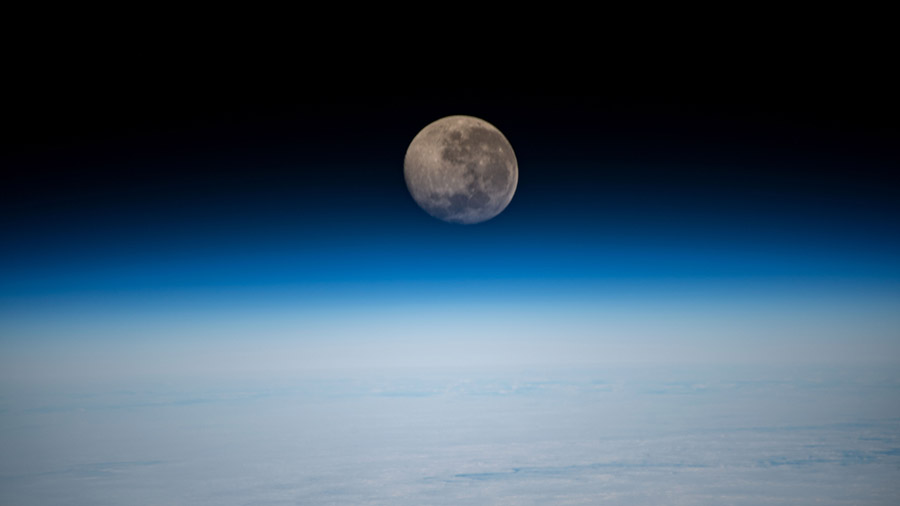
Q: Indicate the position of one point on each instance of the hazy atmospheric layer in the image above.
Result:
(620, 435)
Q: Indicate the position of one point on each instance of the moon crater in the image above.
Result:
(461, 169)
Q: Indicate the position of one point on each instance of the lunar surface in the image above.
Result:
(461, 169)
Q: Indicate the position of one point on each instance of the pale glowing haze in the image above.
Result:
(418, 325)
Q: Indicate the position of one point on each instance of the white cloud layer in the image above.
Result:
(620, 436)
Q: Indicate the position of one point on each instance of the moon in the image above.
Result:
(461, 169)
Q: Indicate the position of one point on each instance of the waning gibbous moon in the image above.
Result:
(461, 169)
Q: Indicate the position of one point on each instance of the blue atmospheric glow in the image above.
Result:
(278, 321)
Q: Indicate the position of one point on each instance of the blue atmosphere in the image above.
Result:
(730, 270)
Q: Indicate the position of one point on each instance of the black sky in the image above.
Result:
(106, 150)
